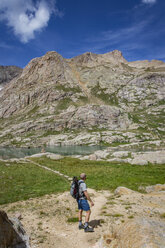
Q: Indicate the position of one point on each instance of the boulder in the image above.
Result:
(154, 157)
(93, 157)
(155, 188)
(120, 160)
(123, 191)
(139, 161)
(101, 154)
(54, 156)
(137, 233)
(12, 234)
(142, 233)
(120, 154)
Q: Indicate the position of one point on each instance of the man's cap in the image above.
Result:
(82, 175)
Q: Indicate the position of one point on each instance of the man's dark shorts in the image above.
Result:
(83, 205)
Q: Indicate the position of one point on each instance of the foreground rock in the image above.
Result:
(142, 232)
(139, 233)
(12, 233)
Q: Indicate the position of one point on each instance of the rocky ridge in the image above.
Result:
(102, 97)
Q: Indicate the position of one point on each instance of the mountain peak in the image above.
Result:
(89, 57)
(116, 55)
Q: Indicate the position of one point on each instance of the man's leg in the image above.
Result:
(86, 227)
(88, 213)
(81, 226)
(85, 206)
(80, 215)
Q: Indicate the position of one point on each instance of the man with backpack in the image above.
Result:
(83, 204)
(79, 192)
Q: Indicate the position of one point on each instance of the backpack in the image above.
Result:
(74, 190)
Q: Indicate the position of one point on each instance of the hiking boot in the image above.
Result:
(88, 229)
(81, 227)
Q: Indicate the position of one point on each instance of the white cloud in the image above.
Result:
(149, 1)
(26, 17)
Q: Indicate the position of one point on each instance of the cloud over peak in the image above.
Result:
(149, 1)
(26, 17)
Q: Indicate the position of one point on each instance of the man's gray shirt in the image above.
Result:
(82, 188)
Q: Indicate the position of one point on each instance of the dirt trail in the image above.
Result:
(78, 238)
(45, 218)
(49, 169)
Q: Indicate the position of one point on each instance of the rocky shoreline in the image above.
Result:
(111, 154)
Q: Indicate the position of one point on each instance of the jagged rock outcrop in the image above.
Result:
(7, 73)
(12, 233)
(89, 92)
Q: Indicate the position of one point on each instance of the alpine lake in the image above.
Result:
(14, 152)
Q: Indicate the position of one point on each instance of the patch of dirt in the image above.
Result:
(45, 219)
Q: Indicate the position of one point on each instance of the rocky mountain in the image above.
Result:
(7, 73)
(89, 99)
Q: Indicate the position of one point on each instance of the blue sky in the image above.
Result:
(30, 28)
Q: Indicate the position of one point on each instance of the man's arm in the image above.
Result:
(88, 197)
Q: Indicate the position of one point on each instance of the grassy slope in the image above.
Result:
(106, 175)
(23, 181)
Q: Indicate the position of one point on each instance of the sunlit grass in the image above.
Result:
(106, 175)
(24, 181)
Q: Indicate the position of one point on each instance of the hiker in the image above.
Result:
(83, 204)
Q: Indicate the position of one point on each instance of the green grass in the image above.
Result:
(67, 89)
(50, 132)
(131, 217)
(99, 92)
(107, 175)
(114, 215)
(63, 104)
(24, 181)
(162, 215)
(72, 219)
(111, 203)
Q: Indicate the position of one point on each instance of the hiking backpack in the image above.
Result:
(74, 190)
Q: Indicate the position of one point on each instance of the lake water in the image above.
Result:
(13, 152)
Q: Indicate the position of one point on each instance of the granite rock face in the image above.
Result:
(139, 233)
(7, 73)
(142, 232)
(12, 233)
(92, 92)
